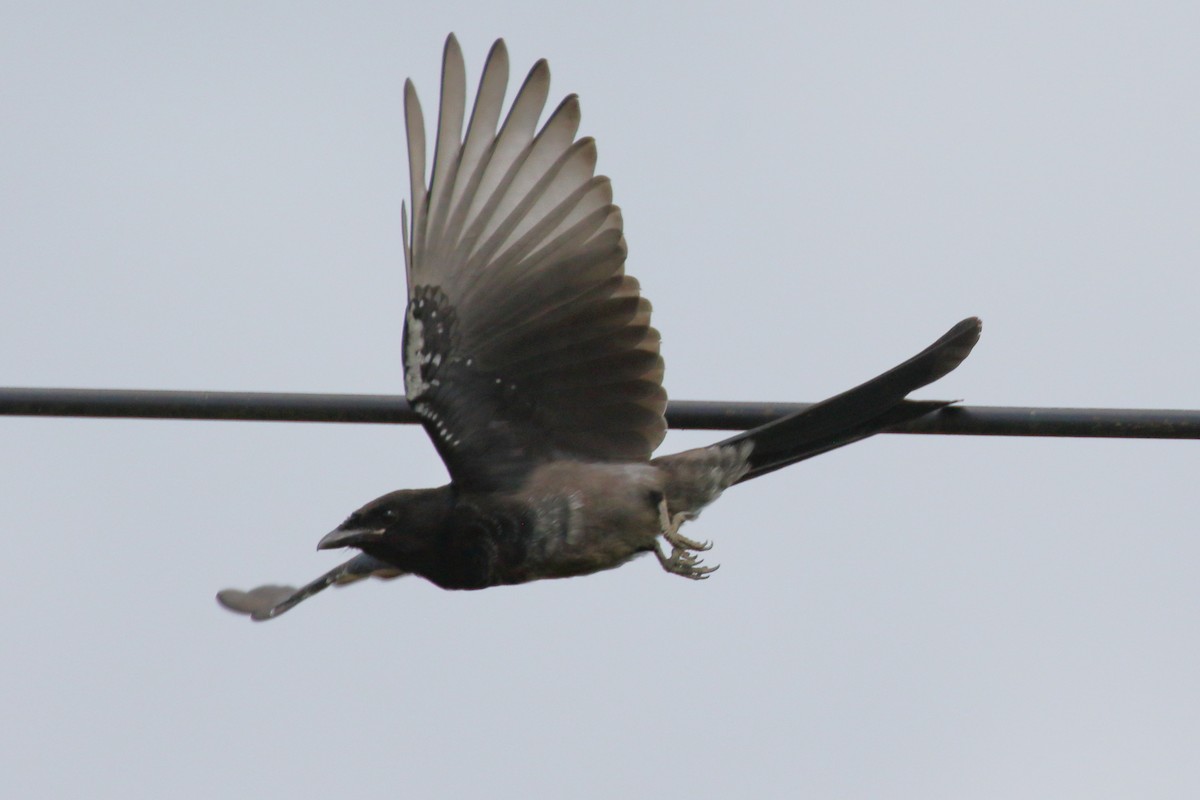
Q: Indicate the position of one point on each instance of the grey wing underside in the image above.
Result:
(269, 601)
(524, 338)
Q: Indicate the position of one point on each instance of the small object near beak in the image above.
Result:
(349, 537)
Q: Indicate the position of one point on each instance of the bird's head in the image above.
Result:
(400, 527)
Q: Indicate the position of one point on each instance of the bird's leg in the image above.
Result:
(671, 523)
(683, 560)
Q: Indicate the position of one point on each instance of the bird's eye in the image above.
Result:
(391, 513)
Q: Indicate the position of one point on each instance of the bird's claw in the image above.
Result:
(684, 562)
(681, 542)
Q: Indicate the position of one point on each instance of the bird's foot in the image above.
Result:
(670, 525)
(683, 561)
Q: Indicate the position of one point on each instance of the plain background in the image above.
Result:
(208, 197)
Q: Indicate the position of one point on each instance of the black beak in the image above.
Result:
(349, 537)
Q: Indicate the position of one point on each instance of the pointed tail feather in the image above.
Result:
(860, 412)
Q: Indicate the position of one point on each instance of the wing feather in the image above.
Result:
(524, 338)
(449, 140)
(539, 179)
(510, 148)
(489, 102)
(414, 122)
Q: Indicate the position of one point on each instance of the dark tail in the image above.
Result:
(860, 412)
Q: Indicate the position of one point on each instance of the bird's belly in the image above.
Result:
(590, 517)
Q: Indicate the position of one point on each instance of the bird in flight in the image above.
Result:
(530, 359)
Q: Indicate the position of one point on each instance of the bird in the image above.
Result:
(530, 360)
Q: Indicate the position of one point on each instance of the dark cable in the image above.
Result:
(1124, 423)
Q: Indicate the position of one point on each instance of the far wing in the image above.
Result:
(524, 339)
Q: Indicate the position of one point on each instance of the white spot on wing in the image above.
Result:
(414, 384)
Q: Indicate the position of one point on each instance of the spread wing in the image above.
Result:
(524, 339)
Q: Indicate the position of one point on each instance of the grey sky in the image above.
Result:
(209, 198)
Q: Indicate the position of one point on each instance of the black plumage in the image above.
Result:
(530, 358)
